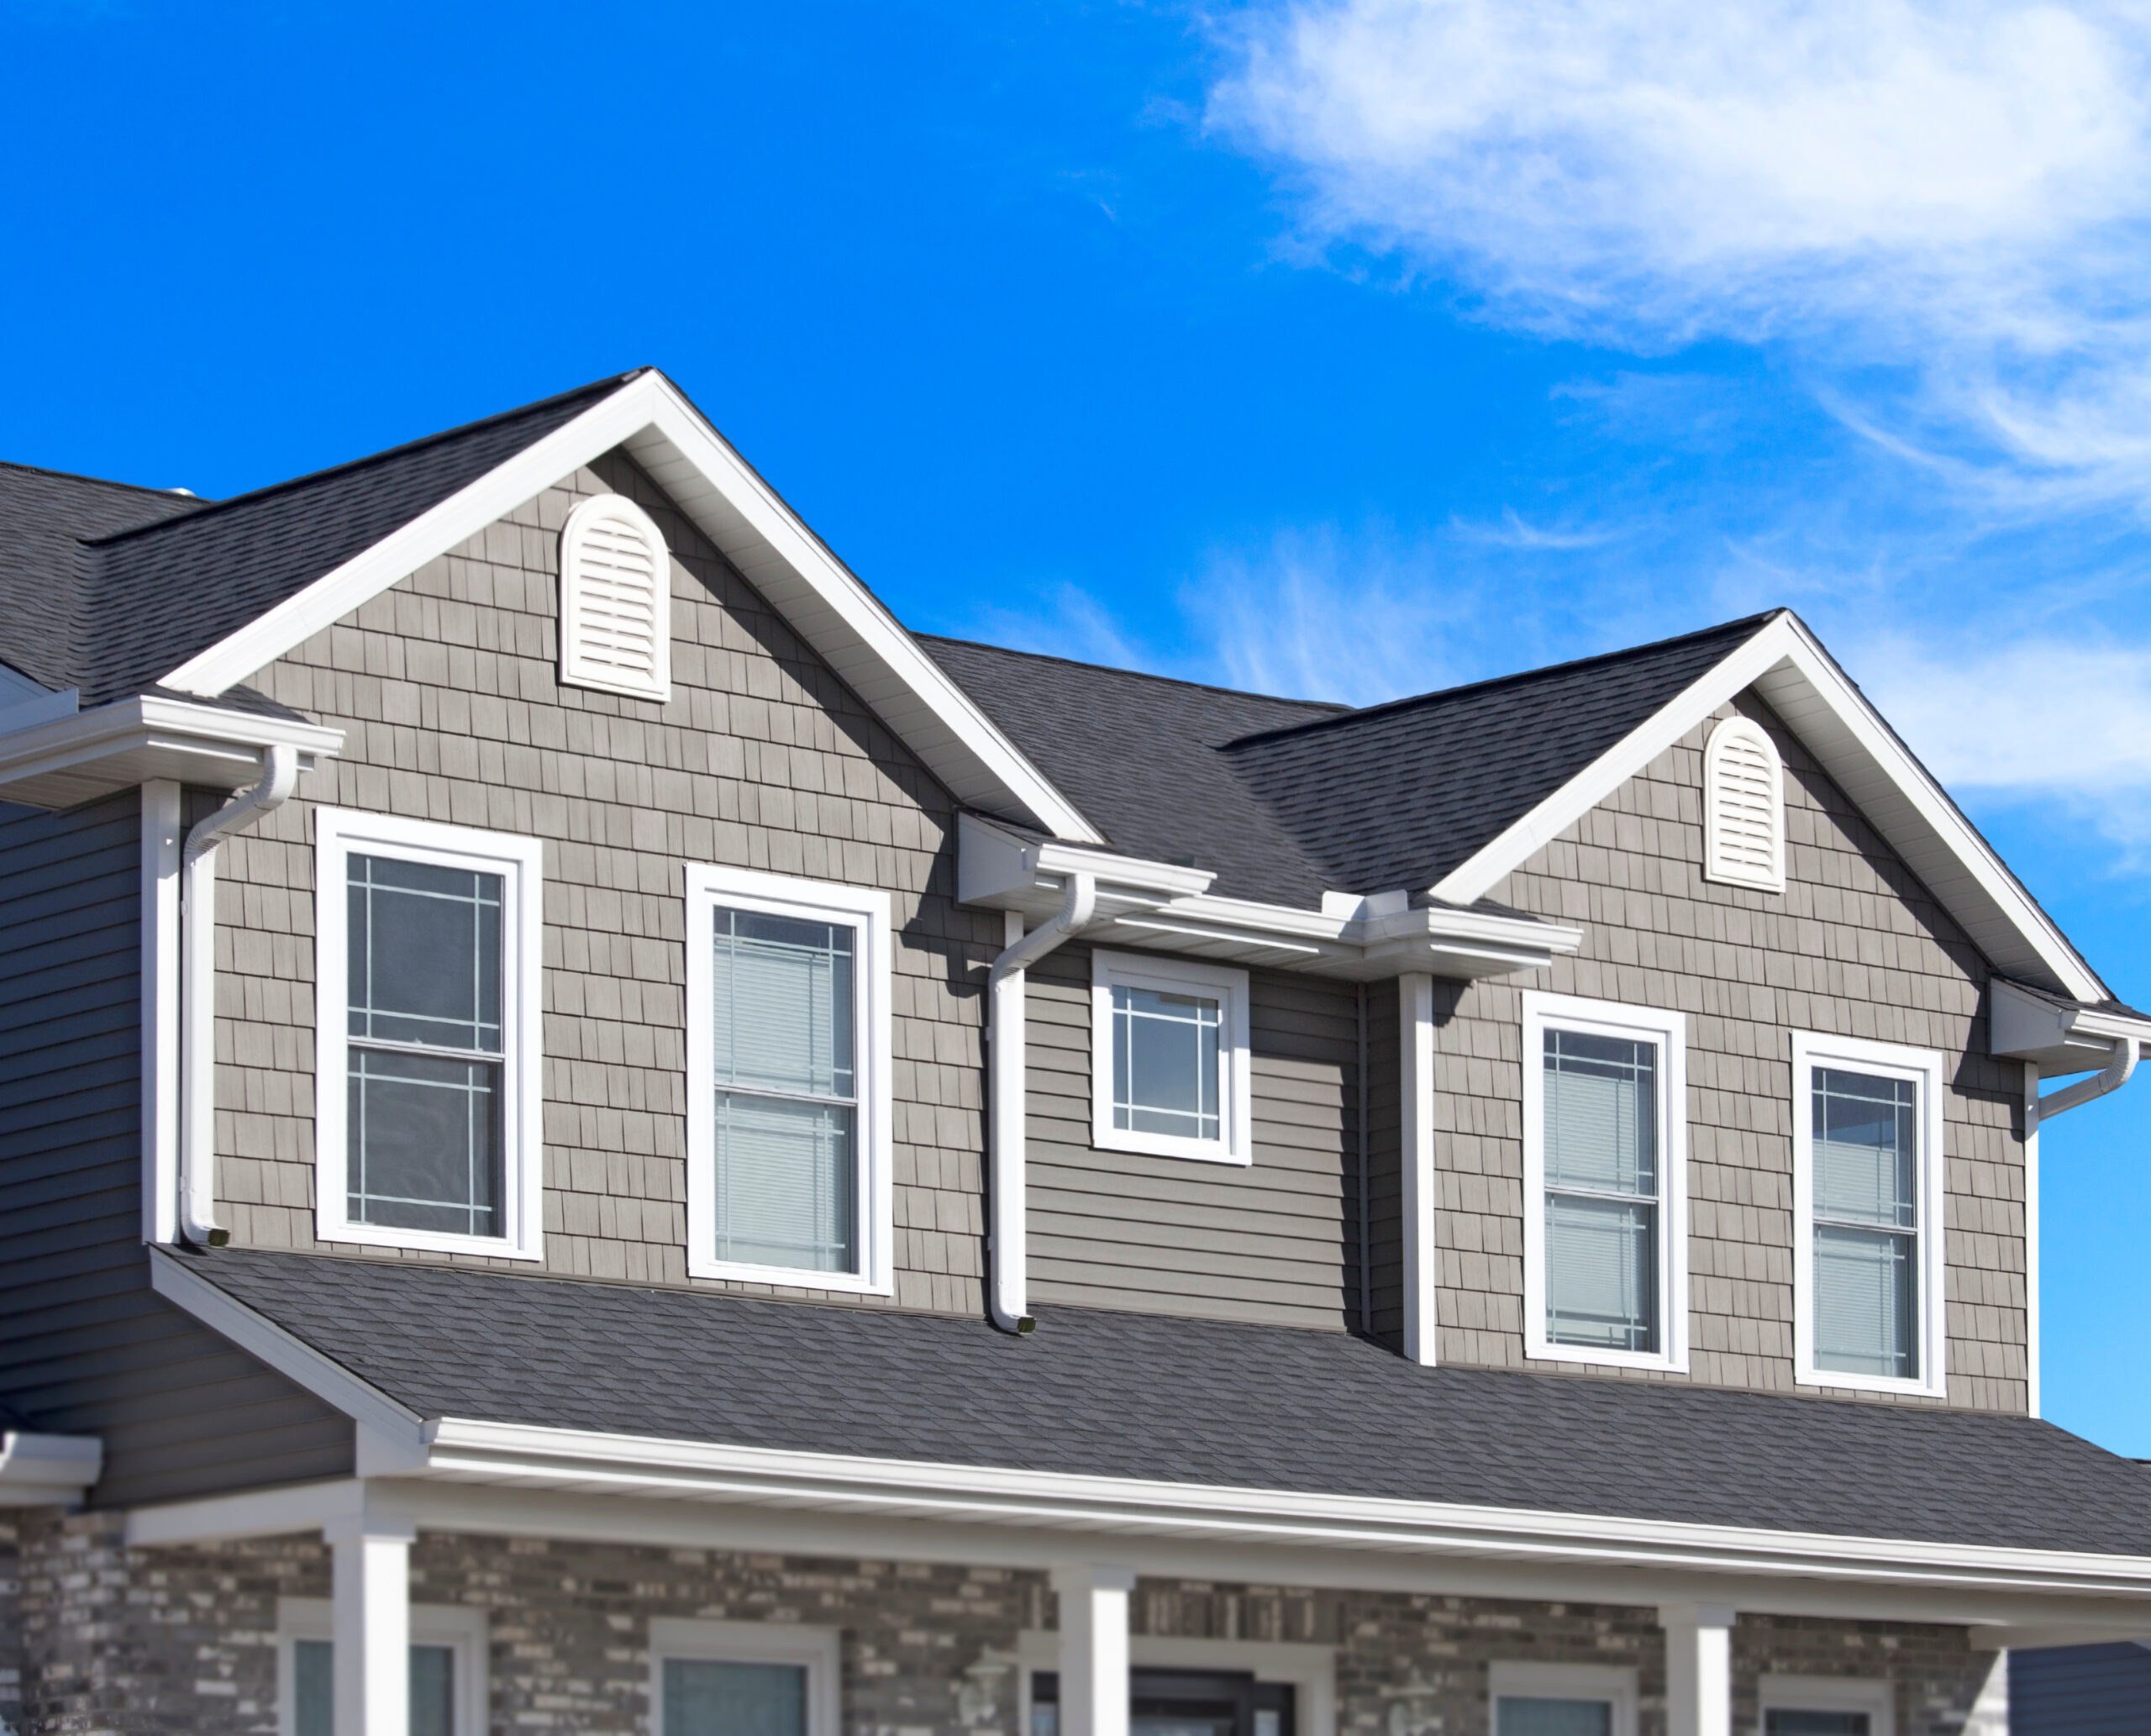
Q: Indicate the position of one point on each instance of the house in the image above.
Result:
(600, 1139)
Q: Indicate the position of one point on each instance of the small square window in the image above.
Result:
(742, 1679)
(1562, 1700)
(1168, 1057)
(1605, 1202)
(1825, 1705)
(428, 961)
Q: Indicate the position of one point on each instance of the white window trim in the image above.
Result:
(340, 832)
(819, 1649)
(866, 910)
(1309, 1671)
(1614, 1684)
(1732, 875)
(1828, 1693)
(462, 1629)
(1925, 1066)
(1609, 1019)
(1235, 1094)
(574, 671)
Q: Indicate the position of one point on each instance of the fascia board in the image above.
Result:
(593, 1462)
(820, 598)
(1848, 739)
(47, 1469)
(291, 1356)
(120, 744)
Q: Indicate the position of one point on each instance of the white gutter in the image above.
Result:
(47, 1469)
(197, 988)
(1009, 1288)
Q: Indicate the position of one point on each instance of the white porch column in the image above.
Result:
(1698, 1668)
(1093, 1649)
(371, 1580)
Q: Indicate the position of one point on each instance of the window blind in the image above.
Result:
(1865, 1161)
(708, 1699)
(1600, 1135)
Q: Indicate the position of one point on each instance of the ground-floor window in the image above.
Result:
(742, 1679)
(1562, 1700)
(449, 1690)
(1825, 1705)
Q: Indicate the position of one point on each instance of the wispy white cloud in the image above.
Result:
(1960, 191)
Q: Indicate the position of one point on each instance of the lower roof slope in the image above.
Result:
(1188, 1401)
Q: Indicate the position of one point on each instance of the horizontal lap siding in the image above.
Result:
(86, 1346)
(1275, 1242)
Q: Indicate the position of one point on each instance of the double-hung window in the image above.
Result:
(1605, 1231)
(742, 1679)
(1169, 1045)
(788, 1126)
(449, 1684)
(1562, 1699)
(427, 1089)
(1867, 1204)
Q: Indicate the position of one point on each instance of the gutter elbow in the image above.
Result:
(2111, 1077)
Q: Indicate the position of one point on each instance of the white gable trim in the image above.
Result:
(1849, 739)
(820, 598)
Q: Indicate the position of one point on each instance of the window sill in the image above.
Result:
(1827, 1378)
(426, 1241)
(791, 1277)
(1539, 1349)
(1205, 1151)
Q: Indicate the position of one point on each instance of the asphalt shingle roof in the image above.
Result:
(1199, 1402)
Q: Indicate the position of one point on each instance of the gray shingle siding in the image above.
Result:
(1855, 946)
(85, 1346)
(1274, 1242)
(445, 686)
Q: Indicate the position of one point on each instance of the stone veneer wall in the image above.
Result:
(1855, 946)
(183, 1641)
(445, 686)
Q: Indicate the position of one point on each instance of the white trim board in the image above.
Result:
(1814, 699)
(819, 1651)
(1828, 1693)
(753, 529)
(1612, 1683)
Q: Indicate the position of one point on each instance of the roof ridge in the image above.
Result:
(1332, 706)
(382, 456)
(44, 470)
(1513, 678)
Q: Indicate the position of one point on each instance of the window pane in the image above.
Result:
(1165, 1063)
(1517, 1715)
(424, 953)
(425, 1142)
(783, 1004)
(1866, 1151)
(711, 1699)
(1866, 1302)
(1781, 1722)
(1602, 1113)
(314, 1688)
(1602, 1273)
(433, 1691)
(786, 1182)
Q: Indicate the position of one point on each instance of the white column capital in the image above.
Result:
(1696, 1615)
(1080, 1576)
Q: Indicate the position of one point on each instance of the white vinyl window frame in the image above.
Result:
(1542, 1012)
(1737, 731)
(340, 835)
(1889, 1061)
(577, 668)
(1166, 975)
(462, 1630)
(1828, 1693)
(865, 910)
(817, 1650)
(1612, 1684)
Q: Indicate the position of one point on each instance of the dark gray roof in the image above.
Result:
(129, 591)
(1283, 798)
(1186, 1401)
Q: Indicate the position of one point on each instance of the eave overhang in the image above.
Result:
(1166, 908)
(2061, 1036)
(70, 760)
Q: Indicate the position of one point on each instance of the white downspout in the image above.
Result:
(1008, 1276)
(198, 992)
(2113, 1077)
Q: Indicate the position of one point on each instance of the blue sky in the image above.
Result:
(1348, 349)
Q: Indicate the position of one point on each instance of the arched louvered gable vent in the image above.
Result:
(1743, 807)
(616, 601)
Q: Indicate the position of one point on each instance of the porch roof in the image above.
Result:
(1200, 1403)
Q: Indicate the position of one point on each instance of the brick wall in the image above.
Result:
(1855, 946)
(183, 1641)
(445, 687)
